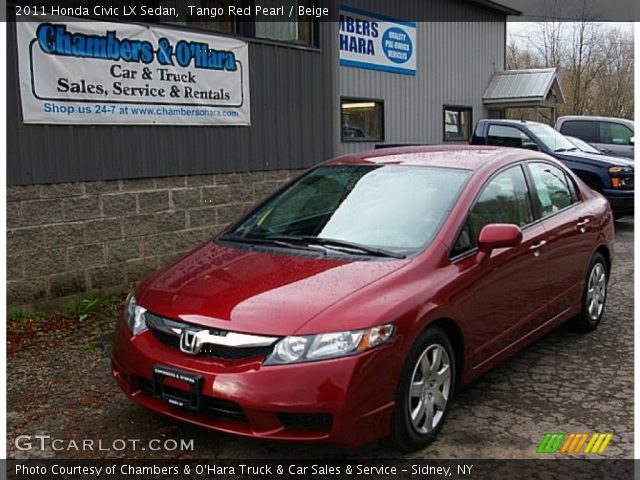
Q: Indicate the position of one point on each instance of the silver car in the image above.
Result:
(613, 136)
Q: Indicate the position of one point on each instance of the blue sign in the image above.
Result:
(376, 42)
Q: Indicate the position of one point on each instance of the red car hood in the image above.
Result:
(254, 291)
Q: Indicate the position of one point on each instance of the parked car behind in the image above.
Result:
(354, 302)
(613, 136)
(611, 176)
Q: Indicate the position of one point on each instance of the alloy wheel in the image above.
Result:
(597, 291)
(429, 389)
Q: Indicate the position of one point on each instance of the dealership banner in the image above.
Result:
(74, 72)
(373, 41)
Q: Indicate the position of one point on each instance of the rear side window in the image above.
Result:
(552, 188)
(572, 188)
(505, 199)
(504, 136)
(614, 133)
(584, 129)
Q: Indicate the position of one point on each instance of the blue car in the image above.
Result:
(611, 176)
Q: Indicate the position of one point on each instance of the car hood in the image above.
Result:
(254, 291)
(606, 160)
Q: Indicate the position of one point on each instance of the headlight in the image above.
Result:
(328, 345)
(134, 315)
(617, 170)
(621, 182)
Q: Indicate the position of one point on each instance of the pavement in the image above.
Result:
(564, 382)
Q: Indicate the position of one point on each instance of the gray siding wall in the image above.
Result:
(292, 96)
(295, 106)
(454, 65)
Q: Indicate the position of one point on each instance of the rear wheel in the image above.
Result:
(425, 390)
(594, 296)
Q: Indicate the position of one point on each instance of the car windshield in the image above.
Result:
(582, 145)
(552, 139)
(393, 207)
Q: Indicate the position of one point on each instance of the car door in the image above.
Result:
(507, 136)
(582, 129)
(570, 233)
(506, 292)
(615, 138)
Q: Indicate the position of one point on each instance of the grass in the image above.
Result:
(92, 306)
(19, 315)
(96, 312)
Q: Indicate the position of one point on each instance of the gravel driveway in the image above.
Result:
(564, 382)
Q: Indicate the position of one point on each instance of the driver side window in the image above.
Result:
(505, 199)
(505, 136)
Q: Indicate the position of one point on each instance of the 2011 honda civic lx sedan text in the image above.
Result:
(353, 303)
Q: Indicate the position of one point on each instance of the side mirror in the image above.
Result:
(632, 141)
(497, 235)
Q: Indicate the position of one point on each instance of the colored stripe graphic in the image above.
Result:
(550, 443)
(572, 443)
(598, 442)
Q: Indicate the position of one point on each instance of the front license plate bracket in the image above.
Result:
(191, 400)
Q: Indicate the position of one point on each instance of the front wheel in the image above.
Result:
(425, 390)
(594, 296)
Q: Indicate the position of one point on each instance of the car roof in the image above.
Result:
(594, 118)
(507, 121)
(468, 157)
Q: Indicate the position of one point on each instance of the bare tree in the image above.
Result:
(587, 59)
(518, 59)
(548, 43)
(594, 63)
(612, 90)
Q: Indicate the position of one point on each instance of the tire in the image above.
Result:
(618, 216)
(411, 428)
(594, 297)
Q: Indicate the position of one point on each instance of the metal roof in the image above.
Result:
(494, 6)
(535, 85)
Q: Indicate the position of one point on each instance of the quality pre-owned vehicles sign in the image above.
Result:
(76, 72)
(373, 41)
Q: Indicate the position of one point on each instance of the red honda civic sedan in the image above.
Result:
(353, 303)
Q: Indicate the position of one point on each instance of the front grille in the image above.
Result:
(306, 421)
(223, 352)
(167, 339)
(215, 406)
(216, 351)
(235, 353)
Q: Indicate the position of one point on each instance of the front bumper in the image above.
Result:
(621, 200)
(346, 402)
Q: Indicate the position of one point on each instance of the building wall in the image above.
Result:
(70, 239)
(292, 94)
(455, 61)
(91, 208)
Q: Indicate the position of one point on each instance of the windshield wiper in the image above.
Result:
(560, 150)
(337, 244)
(279, 242)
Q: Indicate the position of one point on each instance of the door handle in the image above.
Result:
(536, 248)
(582, 224)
